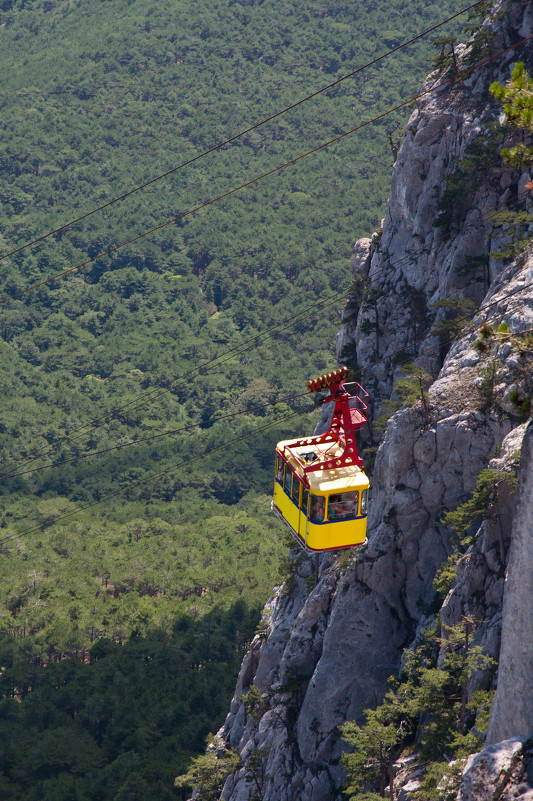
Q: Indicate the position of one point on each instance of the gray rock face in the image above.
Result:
(330, 652)
(363, 252)
(501, 772)
(326, 654)
(413, 263)
(512, 710)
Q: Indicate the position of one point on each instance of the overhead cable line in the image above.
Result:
(200, 369)
(133, 404)
(216, 362)
(253, 127)
(277, 169)
(159, 473)
(183, 429)
(431, 335)
(239, 438)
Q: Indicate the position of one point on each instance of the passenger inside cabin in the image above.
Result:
(343, 505)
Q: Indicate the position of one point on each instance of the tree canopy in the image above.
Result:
(116, 550)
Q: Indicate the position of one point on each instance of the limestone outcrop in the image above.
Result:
(501, 772)
(512, 710)
(436, 244)
(325, 652)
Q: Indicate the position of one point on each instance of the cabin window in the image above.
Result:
(364, 496)
(279, 469)
(295, 494)
(343, 505)
(317, 508)
(305, 500)
(287, 482)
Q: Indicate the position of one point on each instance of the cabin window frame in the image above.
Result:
(288, 474)
(364, 501)
(339, 498)
(305, 500)
(318, 499)
(280, 469)
(295, 483)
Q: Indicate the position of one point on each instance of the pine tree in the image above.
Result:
(517, 97)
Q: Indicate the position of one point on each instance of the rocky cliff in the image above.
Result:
(325, 652)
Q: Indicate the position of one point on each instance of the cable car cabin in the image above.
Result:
(321, 489)
(328, 513)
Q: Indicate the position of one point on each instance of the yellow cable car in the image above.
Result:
(321, 490)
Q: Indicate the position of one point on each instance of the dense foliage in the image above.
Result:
(517, 101)
(429, 702)
(97, 98)
(119, 724)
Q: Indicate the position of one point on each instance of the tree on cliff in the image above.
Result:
(208, 772)
(517, 97)
(428, 704)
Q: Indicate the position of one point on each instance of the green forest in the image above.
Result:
(132, 580)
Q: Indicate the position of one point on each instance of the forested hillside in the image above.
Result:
(402, 674)
(98, 98)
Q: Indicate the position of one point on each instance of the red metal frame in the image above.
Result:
(349, 415)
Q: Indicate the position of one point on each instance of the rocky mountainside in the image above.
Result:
(324, 654)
